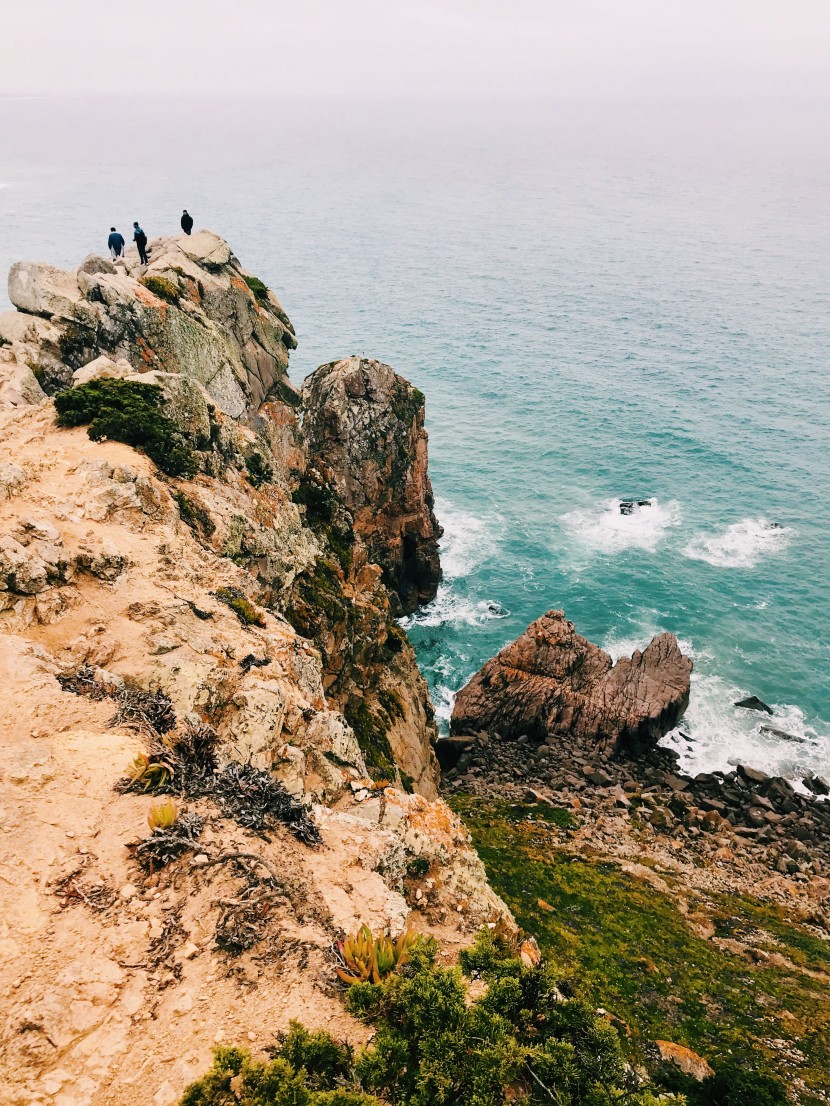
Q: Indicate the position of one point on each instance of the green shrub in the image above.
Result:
(733, 1084)
(522, 1042)
(162, 287)
(259, 289)
(243, 608)
(128, 411)
(237, 1079)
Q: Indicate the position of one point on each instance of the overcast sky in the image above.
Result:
(415, 48)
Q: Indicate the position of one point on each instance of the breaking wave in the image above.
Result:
(451, 607)
(715, 735)
(741, 545)
(616, 525)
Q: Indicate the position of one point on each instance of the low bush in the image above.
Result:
(522, 1042)
(128, 411)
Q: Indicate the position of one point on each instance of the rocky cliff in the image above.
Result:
(192, 310)
(552, 683)
(188, 607)
(365, 428)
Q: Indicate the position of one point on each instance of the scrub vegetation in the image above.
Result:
(758, 1013)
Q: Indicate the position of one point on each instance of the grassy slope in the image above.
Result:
(634, 953)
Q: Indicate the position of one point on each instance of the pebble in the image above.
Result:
(128, 892)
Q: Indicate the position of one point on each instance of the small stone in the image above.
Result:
(201, 859)
(128, 892)
(183, 1004)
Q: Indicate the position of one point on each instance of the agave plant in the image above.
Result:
(367, 958)
(162, 816)
(146, 774)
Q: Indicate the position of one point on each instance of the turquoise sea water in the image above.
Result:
(600, 302)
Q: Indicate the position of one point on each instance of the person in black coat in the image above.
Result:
(140, 239)
(187, 222)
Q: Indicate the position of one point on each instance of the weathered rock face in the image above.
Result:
(365, 430)
(189, 311)
(552, 682)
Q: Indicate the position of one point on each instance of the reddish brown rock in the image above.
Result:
(552, 682)
(365, 429)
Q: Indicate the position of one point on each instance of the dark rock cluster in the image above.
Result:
(741, 811)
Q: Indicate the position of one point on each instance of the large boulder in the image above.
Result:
(365, 429)
(551, 682)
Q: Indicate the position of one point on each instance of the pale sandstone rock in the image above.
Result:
(102, 368)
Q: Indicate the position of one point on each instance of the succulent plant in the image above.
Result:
(162, 816)
(147, 774)
(367, 958)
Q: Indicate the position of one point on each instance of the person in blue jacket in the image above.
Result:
(116, 243)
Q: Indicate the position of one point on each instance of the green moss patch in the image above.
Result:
(371, 730)
(162, 287)
(317, 599)
(633, 952)
(259, 289)
(128, 411)
(243, 608)
(259, 468)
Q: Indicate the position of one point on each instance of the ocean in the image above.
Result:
(601, 302)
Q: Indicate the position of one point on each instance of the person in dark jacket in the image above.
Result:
(140, 239)
(187, 222)
(116, 243)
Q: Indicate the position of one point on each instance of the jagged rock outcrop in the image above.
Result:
(365, 430)
(552, 682)
(192, 310)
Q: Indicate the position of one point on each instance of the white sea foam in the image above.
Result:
(605, 529)
(740, 545)
(450, 607)
(617, 647)
(468, 541)
(715, 735)
(443, 700)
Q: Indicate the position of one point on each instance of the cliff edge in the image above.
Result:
(190, 619)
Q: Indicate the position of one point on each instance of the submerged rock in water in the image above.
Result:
(629, 506)
(551, 681)
(752, 702)
(365, 429)
(773, 731)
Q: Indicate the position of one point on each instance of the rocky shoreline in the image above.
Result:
(551, 718)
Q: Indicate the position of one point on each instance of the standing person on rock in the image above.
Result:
(116, 244)
(187, 222)
(140, 239)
